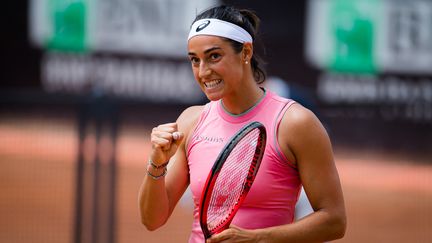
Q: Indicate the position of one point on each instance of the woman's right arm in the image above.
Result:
(157, 197)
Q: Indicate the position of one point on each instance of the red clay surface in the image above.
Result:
(388, 199)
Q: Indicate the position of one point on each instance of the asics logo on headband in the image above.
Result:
(202, 26)
(220, 28)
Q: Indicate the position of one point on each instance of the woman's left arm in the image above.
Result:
(304, 139)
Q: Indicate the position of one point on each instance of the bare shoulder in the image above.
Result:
(190, 114)
(299, 117)
(300, 128)
(189, 117)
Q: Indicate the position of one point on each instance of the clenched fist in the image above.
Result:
(165, 140)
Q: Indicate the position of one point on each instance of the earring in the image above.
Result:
(246, 62)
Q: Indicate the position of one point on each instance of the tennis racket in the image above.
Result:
(231, 177)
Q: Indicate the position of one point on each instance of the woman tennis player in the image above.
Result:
(298, 150)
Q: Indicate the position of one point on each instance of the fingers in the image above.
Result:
(176, 135)
(164, 134)
(232, 234)
(218, 237)
(165, 139)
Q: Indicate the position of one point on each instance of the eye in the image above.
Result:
(194, 60)
(215, 56)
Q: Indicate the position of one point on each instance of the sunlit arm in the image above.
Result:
(309, 142)
(158, 197)
(153, 203)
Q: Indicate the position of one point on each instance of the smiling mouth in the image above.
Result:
(213, 83)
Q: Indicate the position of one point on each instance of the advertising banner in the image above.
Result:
(374, 55)
(127, 48)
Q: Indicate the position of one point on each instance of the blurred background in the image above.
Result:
(83, 82)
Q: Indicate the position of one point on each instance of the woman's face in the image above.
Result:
(216, 67)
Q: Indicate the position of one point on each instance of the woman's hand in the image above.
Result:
(235, 234)
(165, 140)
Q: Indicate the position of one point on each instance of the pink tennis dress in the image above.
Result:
(272, 198)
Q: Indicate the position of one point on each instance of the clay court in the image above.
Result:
(388, 198)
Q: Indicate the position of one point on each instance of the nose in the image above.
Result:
(204, 70)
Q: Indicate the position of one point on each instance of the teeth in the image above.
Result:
(213, 83)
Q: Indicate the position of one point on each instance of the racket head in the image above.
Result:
(231, 178)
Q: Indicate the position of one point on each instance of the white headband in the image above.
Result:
(221, 28)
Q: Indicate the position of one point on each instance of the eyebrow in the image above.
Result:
(206, 51)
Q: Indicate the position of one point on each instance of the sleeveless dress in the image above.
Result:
(271, 200)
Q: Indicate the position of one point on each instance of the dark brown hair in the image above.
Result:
(246, 19)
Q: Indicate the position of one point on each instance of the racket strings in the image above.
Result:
(231, 180)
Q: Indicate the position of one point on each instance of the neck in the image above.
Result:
(243, 101)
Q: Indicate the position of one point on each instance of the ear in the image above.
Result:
(247, 52)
